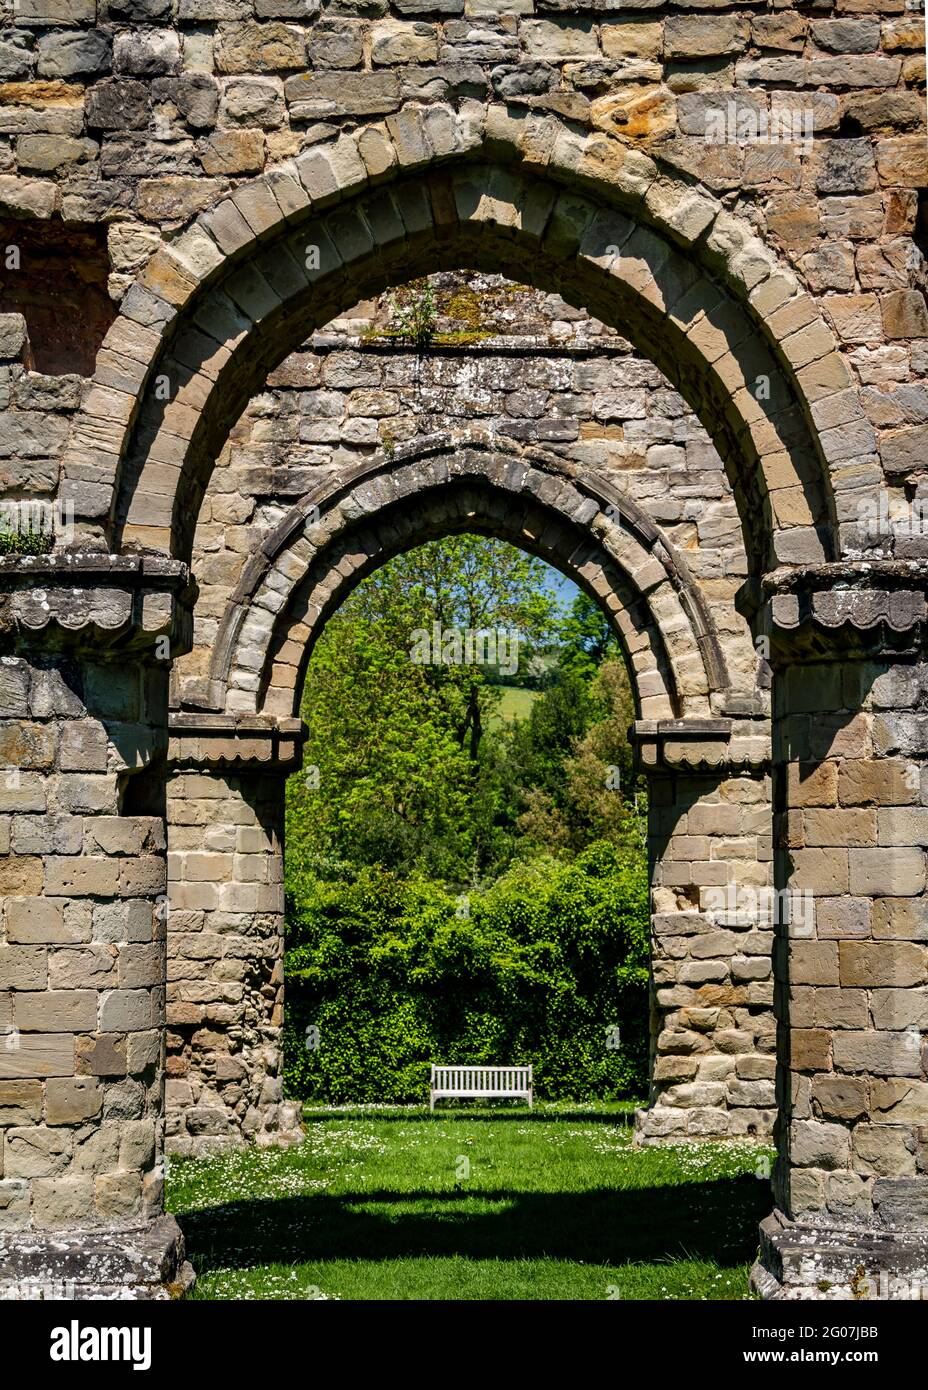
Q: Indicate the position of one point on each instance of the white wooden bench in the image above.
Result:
(480, 1083)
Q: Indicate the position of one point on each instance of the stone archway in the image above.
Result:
(224, 1085)
(847, 642)
(588, 216)
(582, 524)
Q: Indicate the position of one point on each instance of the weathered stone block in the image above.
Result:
(75, 54)
(56, 1011)
(35, 1152)
(883, 1053)
(814, 1144)
(810, 1049)
(839, 1097)
(147, 53)
(881, 1150)
(72, 1100)
(102, 1055)
(20, 1102)
(23, 967)
(894, 963)
(890, 872)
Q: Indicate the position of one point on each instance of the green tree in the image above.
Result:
(398, 747)
(586, 638)
(385, 779)
(474, 583)
(541, 743)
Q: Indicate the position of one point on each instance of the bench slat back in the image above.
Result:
(484, 1080)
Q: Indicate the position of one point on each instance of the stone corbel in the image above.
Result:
(666, 746)
(243, 743)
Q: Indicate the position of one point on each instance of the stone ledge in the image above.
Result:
(59, 564)
(803, 1260)
(140, 1263)
(499, 345)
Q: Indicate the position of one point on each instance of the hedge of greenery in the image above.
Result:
(398, 973)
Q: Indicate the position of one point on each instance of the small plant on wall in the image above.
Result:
(413, 313)
(27, 542)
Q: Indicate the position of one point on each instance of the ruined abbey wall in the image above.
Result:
(189, 191)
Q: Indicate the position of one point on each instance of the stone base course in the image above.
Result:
(139, 1263)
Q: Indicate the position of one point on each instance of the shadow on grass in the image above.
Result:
(709, 1220)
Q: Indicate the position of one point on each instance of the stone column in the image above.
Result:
(225, 932)
(851, 800)
(83, 711)
(712, 1027)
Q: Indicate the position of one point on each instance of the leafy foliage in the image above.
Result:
(586, 639)
(413, 791)
(406, 776)
(413, 312)
(574, 758)
(397, 974)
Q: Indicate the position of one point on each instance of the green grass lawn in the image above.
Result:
(473, 1204)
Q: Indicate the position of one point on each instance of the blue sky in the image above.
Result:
(565, 589)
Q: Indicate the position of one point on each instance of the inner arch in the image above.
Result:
(339, 534)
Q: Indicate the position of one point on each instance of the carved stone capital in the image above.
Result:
(242, 743)
(700, 745)
(106, 604)
(847, 610)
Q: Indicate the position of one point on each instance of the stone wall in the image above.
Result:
(858, 993)
(82, 959)
(82, 933)
(713, 1031)
(225, 994)
(853, 982)
(140, 116)
(36, 410)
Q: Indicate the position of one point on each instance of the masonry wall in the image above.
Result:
(82, 944)
(851, 827)
(137, 116)
(225, 963)
(712, 1025)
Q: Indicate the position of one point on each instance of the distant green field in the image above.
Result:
(515, 703)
